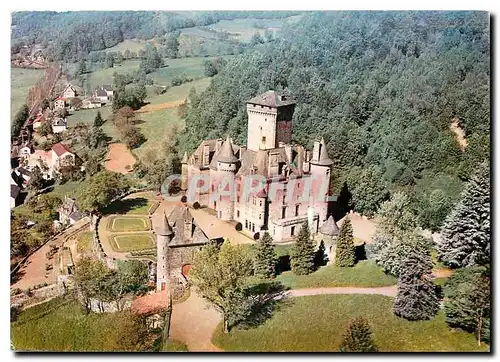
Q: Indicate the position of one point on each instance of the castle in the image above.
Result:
(270, 184)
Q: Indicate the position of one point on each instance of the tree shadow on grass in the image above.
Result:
(265, 299)
(124, 206)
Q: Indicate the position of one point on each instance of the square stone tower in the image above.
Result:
(269, 121)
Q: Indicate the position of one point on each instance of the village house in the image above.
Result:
(15, 196)
(43, 160)
(69, 92)
(297, 178)
(59, 125)
(91, 103)
(68, 212)
(40, 118)
(59, 103)
(61, 156)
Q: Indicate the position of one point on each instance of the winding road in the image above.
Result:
(194, 321)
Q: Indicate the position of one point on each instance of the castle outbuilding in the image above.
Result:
(271, 184)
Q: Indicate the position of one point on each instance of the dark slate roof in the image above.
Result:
(329, 227)
(271, 99)
(164, 228)
(185, 221)
(76, 215)
(99, 92)
(24, 171)
(14, 191)
(324, 159)
(226, 153)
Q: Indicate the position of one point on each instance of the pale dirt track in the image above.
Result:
(156, 107)
(118, 158)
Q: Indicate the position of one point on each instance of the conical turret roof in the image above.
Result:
(184, 158)
(324, 160)
(329, 227)
(226, 154)
(164, 228)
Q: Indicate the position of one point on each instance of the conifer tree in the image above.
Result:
(468, 302)
(345, 252)
(358, 337)
(98, 121)
(265, 258)
(417, 298)
(465, 236)
(302, 253)
(320, 257)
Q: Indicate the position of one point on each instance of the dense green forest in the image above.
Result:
(382, 88)
(70, 36)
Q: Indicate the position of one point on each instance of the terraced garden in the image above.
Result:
(127, 243)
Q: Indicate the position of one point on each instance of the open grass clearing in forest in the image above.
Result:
(119, 159)
(317, 324)
(128, 223)
(156, 107)
(131, 242)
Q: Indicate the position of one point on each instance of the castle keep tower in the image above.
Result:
(269, 121)
(222, 179)
(164, 236)
(320, 170)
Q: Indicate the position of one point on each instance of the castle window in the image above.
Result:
(260, 216)
(237, 213)
(253, 228)
(237, 199)
(246, 224)
(215, 204)
(283, 212)
(263, 139)
(260, 202)
(292, 231)
(297, 210)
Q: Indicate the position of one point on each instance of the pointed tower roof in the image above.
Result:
(164, 228)
(226, 154)
(184, 158)
(324, 160)
(329, 227)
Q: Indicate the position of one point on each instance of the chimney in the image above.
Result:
(206, 154)
(315, 156)
(218, 145)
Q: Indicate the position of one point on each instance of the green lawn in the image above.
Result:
(83, 241)
(180, 92)
(128, 223)
(62, 325)
(191, 67)
(21, 82)
(364, 274)
(125, 243)
(134, 45)
(133, 206)
(317, 324)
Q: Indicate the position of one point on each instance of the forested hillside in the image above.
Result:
(70, 36)
(382, 88)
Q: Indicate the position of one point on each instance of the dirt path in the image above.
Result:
(195, 321)
(119, 158)
(459, 134)
(33, 271)
(156, 107)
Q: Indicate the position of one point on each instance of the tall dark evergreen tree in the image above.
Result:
(320, 257)
(345, 252)
(302, 253)
(265, 258)
(98, 121)
(417, 298)
(465, 236)
(358, 337)
(468, 303)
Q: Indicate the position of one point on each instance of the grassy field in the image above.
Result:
(105, 75)
(317, 324)
(21, 81)
(364, 274)
(125, 243)
(174, 346)
(62, 325)
(191, 67)
(134, 45)
(87, 116)
(83, 241)
(119, 224)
